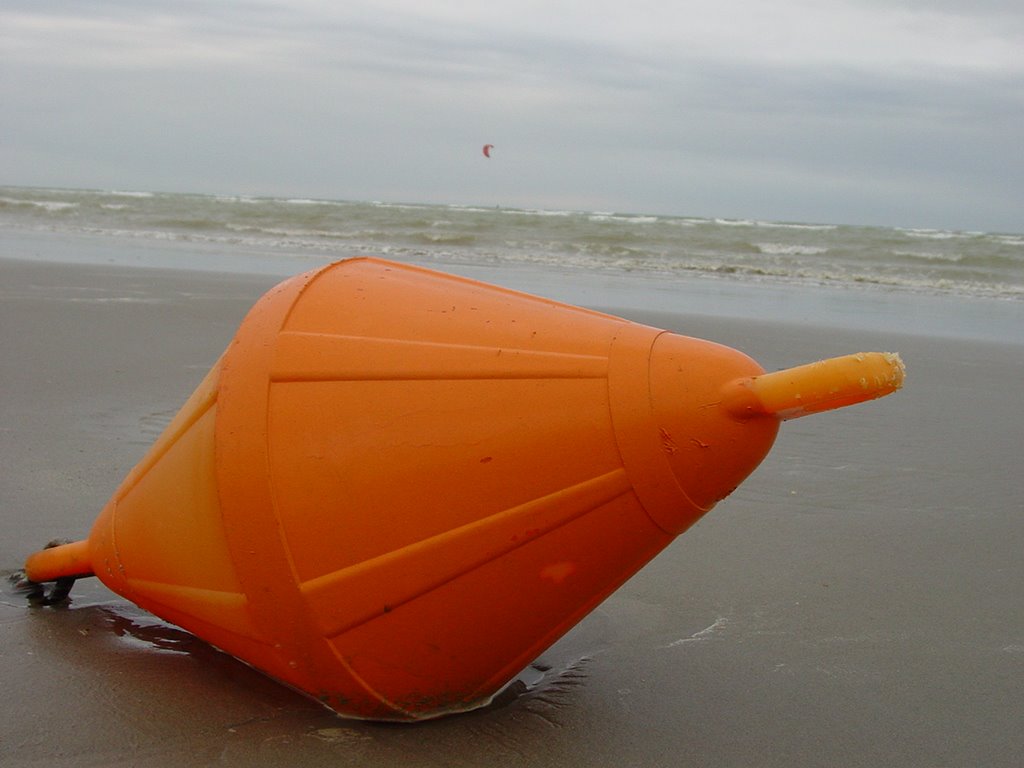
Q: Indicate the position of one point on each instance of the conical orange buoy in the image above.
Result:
(397, 487)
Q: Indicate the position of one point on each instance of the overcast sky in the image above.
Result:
(901, 112)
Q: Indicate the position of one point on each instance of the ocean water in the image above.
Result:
(599, 244)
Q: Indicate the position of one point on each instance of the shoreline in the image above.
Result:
(868, 308)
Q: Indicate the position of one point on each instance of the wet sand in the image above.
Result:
(857, 602)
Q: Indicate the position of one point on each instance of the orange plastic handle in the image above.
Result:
(815, 387)
(63, 561)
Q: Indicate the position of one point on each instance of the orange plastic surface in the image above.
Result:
(398, 487)
(816, 387)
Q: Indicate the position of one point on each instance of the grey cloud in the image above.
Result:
(291, 98)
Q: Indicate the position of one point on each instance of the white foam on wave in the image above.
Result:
(774, 224)
(789, 249)
(302, 232)
(932, 234)
(1017, 240)
(736, 222)
(236, 199)
(808, 227)
(622, 218)
(46, 205)
(470, 208)
(537, 212)
(311, 201)
(129, 193)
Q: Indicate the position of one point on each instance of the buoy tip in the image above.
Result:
(816, 387)
(899, 368)
(59, 560)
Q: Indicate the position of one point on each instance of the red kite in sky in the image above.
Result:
(487, 149)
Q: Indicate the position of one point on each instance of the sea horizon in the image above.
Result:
(300, 198)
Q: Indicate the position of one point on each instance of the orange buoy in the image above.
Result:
(396, 487)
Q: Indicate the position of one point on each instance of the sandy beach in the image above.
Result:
(857, 602)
